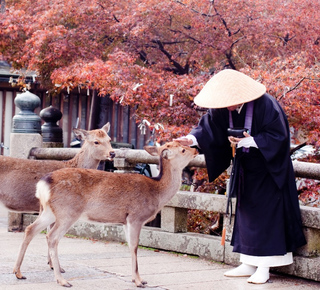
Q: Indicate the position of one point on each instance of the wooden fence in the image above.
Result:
(91, 110)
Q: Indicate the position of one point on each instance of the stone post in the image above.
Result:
(174, 219)
(26, 129)
(51, 132)
(123, 165)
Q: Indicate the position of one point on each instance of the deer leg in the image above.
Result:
(133, 233)
(53, 238)
(49, 259)
(43, 220)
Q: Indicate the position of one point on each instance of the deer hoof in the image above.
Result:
(19, 275)
(141, 284)
(65, 283)
(61, 269)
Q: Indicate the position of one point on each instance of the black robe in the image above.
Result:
(268, 219)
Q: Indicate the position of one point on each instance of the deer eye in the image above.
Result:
(96, 142)
(183, 150)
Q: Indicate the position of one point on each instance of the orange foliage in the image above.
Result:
(157, 55)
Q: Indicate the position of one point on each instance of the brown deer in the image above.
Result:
(20, 176)
(131, 199)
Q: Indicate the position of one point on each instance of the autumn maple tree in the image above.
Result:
(157, 55)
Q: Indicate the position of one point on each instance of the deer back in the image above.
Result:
(19, 176)
(112, 197)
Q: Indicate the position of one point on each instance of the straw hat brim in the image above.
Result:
(229, 88)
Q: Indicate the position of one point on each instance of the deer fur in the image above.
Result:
(132, 199)
(20, 176)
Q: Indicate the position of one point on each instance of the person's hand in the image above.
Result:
(235, 140)
(184, 141)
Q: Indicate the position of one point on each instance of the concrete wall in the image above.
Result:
(169, 237)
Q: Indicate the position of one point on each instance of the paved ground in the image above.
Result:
(94, 265)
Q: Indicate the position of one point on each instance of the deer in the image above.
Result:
(131, 199)
(20, 176)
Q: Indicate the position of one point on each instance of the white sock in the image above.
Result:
(243, 270)
(261, 276)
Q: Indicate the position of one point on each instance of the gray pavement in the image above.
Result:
(107, 265)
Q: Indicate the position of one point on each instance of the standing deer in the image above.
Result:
(131, 199)
(20, 176)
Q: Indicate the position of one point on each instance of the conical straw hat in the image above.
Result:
(229, 88)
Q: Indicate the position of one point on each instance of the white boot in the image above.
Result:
(261, 276)
(243, 270)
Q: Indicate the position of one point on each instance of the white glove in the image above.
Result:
(247, 142)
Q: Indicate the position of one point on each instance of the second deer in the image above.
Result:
(20, 176)
(128, 198)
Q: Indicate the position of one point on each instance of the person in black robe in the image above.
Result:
(268, 226)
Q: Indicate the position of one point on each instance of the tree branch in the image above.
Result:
(185, 35)
(229, 53)
(223, 22)
(196, 11)
(293, 88)
(180, 70)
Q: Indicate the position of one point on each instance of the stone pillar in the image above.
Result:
(26, 129)
(22, 143)
(174, 219)
(123, 165)
(51, 132)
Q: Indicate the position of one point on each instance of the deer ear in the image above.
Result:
(152, 150)
(166, 154)
(80, 133)
(106, 128)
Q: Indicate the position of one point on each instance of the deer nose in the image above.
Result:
(112, 154)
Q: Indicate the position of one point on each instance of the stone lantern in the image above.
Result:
(25, 135)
